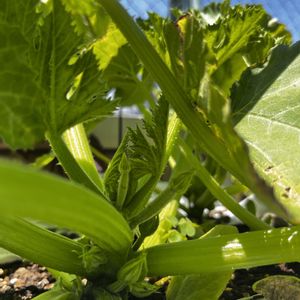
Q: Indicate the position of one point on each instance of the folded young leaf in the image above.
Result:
(146, 154)
(266, 110)
(44, 85)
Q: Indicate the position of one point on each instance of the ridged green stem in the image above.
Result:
(28, 193)
(175, 189)
(40, 245)
(78, 144)
(218, 192)
(225, 253)
(69, 163)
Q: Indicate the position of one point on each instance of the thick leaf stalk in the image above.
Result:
(224, 253)
(28, 193)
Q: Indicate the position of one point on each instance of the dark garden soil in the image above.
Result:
(23, 281)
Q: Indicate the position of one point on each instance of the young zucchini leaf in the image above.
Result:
(201, 286)
(48, 81)
(146, 154)
(64, 204)
(266, 108)
(241, 37)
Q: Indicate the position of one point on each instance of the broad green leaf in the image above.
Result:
(125, 74)
(41, 87)
(121, 68)
(241, 36)
(88, 18)
(201, 286)
(108, 46)
(28, 193)
(266, 109)
(278, 287)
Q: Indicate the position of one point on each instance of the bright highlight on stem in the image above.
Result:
(227, 252)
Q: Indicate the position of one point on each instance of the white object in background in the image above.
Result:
(110, 131)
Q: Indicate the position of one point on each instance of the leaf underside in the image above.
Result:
(37, 74)
(266, 110)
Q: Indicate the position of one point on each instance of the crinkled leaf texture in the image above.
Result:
(145, 149)
(41, 87)
(266, 109)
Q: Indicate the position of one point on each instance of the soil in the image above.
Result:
(242, 280)
(24, 281)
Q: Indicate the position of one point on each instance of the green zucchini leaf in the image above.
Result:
(48, 80)
(266, 108)
(278, 287)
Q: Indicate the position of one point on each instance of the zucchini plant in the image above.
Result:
(221, 87)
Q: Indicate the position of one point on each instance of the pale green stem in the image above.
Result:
(217, 191)
(70, 165)
(78, 144)
(224, 253)
(100, 155)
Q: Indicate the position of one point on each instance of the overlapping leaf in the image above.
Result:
(145, 149)
(209, 97)
(266, 110)
(37, 74)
